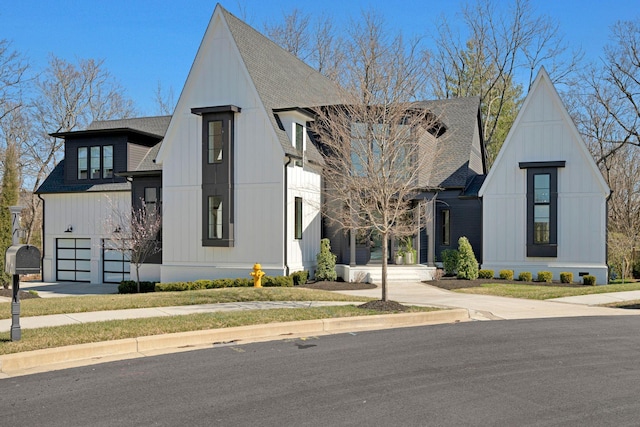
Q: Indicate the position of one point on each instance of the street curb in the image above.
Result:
(16, 363)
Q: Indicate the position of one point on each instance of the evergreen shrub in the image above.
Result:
(525, 276)
(326, 269)
(485, 274)
(449, 261)
(545, 276)
(467, 264)
(566, 277)
(506, 274)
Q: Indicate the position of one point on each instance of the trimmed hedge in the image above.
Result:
(525, 276)
(241, 282)
(485, 274)
(566, 277)
(506, 274)
(299, 277)
(545, 276)
(131, 287)
(589, 280)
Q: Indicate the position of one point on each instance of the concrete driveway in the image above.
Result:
(66, 289)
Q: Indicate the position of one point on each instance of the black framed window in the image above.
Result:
(298, 217)
(214, 221)
(542, 208)
(446, 227)
(214, 145)
(299, 142)
(83, 162)
(107, 161)
(95, 163)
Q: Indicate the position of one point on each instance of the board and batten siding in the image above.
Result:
(303, 183)
(87, 214)
(543, 132)
(218, 77)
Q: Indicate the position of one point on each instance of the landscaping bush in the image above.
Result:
(506, 274)
(299, 277)
(467, 264)
(566, 277)
(242, 282)
(277, 281)
(485, 274)
(545, 276)
(525, 276)
(326, 269)
(172, 286)
(449, 261)
(589, 280)
(636, 270)
(131, 287)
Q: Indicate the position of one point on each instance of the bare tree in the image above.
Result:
(370, 144)
(502, 46)
(13, 70)
(293, 34)
(69, 97)
(135, 234)
(165, 101)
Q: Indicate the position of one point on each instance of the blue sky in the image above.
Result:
(144, 42)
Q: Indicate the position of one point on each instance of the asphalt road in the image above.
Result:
(574, 371)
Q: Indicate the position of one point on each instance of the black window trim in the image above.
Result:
(298, 218)
(537, 168)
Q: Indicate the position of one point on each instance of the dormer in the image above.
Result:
(294, 122)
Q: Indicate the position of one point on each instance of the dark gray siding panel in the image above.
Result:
(71, 157)
(465, 220)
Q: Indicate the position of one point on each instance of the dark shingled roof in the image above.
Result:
(54, 183)
(454, 148)
(281, 79)
(156, 125)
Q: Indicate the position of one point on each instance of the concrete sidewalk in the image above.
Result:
(140, 313)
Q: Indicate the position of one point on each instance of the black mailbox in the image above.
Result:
(22, 259)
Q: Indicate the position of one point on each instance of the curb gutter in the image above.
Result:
(83, 354)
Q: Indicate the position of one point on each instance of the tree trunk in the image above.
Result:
(138, 276)
(385, 238)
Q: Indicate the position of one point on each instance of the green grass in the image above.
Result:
(515, 290)
(35, 339)
(67, 305)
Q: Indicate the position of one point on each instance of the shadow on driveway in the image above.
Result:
(66, 289)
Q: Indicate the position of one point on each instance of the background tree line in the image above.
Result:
(486, 49)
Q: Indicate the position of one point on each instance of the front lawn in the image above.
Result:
(67, 305)
(542, 292)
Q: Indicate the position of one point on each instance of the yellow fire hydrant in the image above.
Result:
(257, 275)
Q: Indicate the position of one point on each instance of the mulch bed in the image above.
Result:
(338, 286)
(23, 295)
(452, 283)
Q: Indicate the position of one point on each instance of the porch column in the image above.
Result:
(430, 227)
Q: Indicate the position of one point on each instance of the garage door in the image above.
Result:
(73, 260)
(115, 263)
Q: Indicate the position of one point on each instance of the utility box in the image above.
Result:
(22, 259)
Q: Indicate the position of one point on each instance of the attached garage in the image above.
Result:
(73, 260)
(115, 263)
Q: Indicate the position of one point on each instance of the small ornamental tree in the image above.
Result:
(326, 269)
(467, 263)
(136, 234)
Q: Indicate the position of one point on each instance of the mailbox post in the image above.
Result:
(19, 259)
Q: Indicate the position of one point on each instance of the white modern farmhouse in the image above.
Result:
(238, 178)
(544, 201)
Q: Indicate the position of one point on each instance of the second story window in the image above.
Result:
(95, 163)
(107, 161)
(82, 162)
(214, 145)
(299, 142)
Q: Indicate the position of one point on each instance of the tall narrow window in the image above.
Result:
(82, 162)
(298, 218)
(542, 208)
(215, 217)
(299, 142)
(446, 227)
(95, 162)
(107, 161)
(214, 149)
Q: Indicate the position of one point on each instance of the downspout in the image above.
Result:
(286, 204)
(43, 240)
